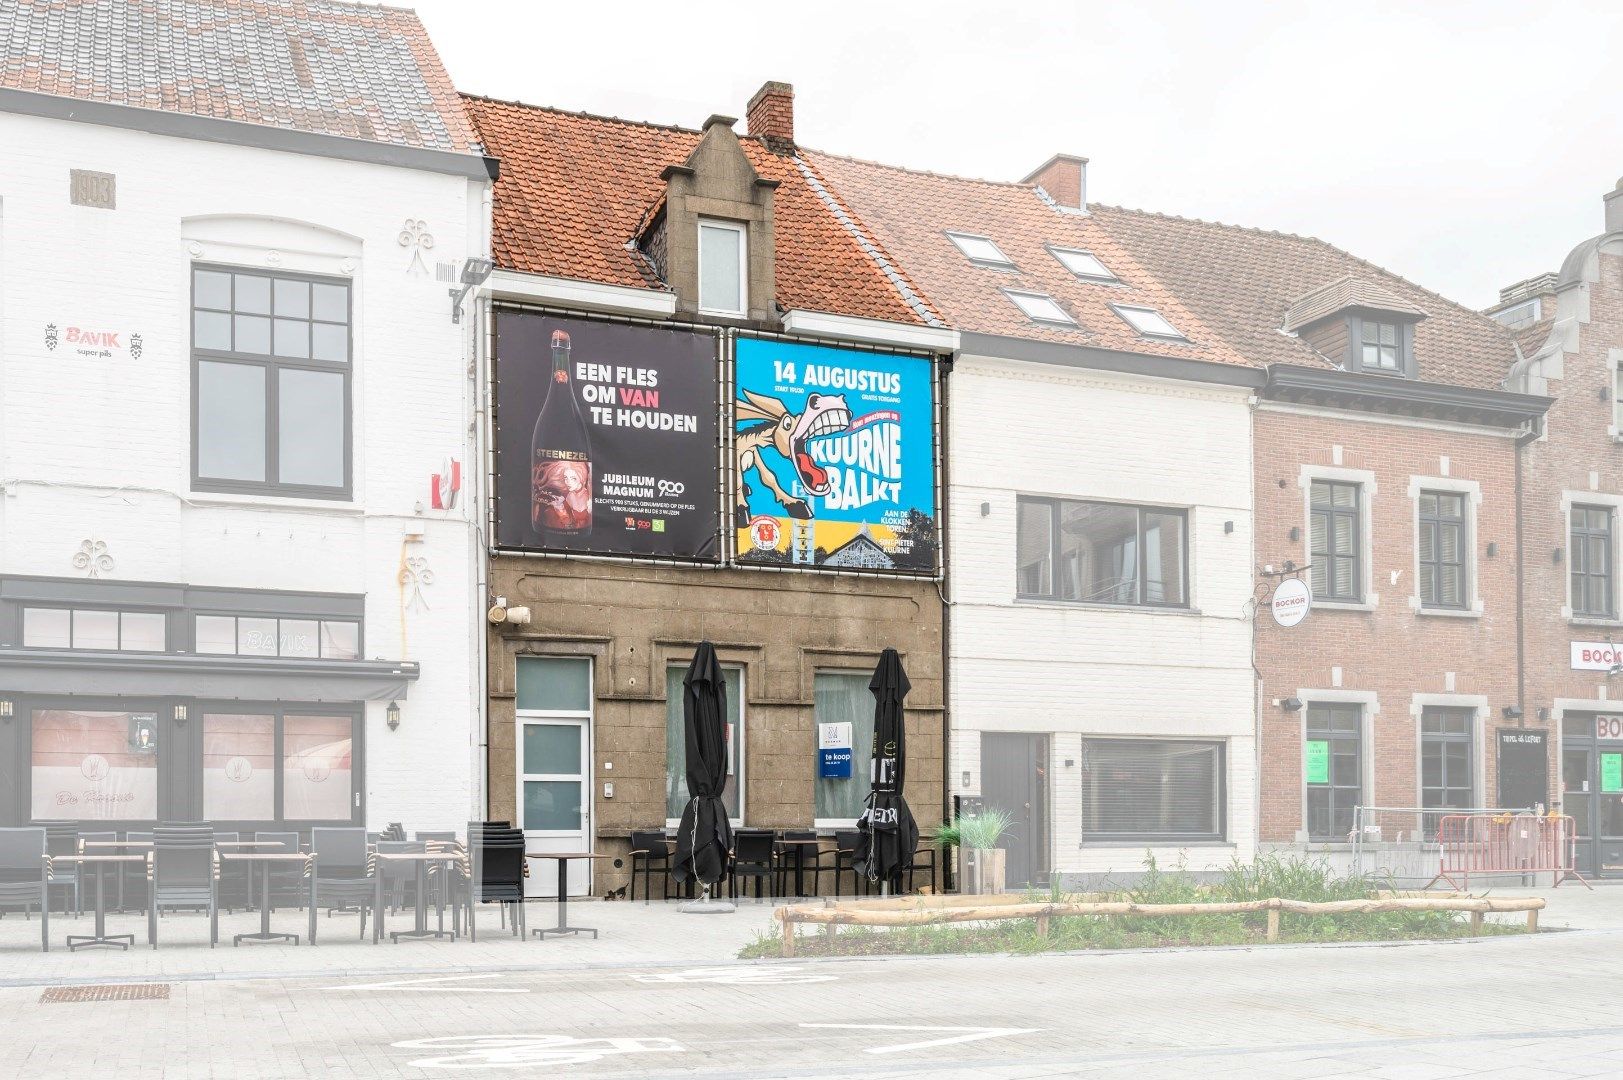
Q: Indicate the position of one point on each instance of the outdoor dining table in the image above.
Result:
(421, 930)
(101, 937)
(800, 848)
(563, 858)
(265, 859)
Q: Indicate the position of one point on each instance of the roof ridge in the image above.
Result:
(919, 172)
(1306, 239)
(582, 114)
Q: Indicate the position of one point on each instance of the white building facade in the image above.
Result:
(237, 580)
(1100, 635)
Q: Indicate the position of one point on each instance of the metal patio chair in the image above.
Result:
(343, 874)
(25, 876)
(650, 854)
(183, 872)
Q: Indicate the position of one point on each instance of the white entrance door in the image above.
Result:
(554, 800)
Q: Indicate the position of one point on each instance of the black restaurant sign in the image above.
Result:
(606, 438)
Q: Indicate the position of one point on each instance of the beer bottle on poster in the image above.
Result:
(560, 456)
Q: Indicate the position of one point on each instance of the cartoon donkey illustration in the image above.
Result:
(790, 435)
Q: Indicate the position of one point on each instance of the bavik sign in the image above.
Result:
(834, 457)
(606, 438)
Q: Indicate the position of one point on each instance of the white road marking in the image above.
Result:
(436, 985)
(510, 1051)
(970, 1034)
(769, 975)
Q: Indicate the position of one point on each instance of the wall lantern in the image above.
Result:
(1291, 704)
(180, 714)
(1493, 549)
(5, 711)
(1295, 533)
(1556, 555)
(391, 716)
(1512, 712)
(474, 272)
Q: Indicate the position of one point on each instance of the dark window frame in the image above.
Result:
(1331, 513)
(202, 707)
(272, 366)
(193, 615)
(1435, 796)
(73, 609)
(1220, 794)
(1403, 345)
(1331, 711)
(1140, 586)
(1435, 523)
(1581, 545)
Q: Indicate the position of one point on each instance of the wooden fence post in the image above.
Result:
(788, 934)
(1532, 920)
(1476, 924)
(1273, 924)
(1042, 927)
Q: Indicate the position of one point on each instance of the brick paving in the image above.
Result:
(1512, 1007)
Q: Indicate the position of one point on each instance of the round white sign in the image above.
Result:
(1291, 601)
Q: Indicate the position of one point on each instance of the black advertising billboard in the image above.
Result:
(606, 438)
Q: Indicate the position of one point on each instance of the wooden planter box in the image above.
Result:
(982, 871)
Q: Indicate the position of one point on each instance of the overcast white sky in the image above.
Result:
(1464, 145)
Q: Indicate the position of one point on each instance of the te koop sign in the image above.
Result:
(1596, 655)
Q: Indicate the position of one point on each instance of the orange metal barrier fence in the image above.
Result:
(1497, 844)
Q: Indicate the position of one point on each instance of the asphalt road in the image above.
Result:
(1508, 1007)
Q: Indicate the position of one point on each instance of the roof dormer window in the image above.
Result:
(1149, 322)
(981, 251)
(1084, 264)
(723, 267)
(1380, 345)
(1040, 307)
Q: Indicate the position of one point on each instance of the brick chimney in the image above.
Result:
(1065, 178)
(771, 115)
(1614, 209)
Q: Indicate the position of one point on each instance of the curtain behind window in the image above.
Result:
(844, 697)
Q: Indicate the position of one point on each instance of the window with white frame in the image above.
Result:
(676, 780)
(841, 697)
(1148, 321)
(270, 383)
(1084, 264)
(723, 267)
(980, 250)
(1040, 307)
(1445, 550)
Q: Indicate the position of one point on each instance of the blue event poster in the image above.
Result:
(834, 457)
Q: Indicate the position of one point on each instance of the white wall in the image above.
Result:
(99, 448)
(1074, 669)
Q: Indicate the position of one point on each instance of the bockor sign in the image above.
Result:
(1595, 655)
(1291, 602)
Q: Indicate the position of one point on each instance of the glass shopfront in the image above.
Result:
(1592, 789)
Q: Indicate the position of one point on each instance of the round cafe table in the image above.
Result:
(564, 858)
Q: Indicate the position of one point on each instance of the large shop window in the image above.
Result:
(1592, 561)
(1445, 762)
(1334, 768)
(1444, 550)
(270, 383)
(1101, 553)
(82, 628)
(94, 765)
(843, 698)
(278, 765)
(676, 782)
(1336, 527)
(1152, 790)
(244, 635)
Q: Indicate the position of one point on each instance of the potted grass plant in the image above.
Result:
(974, 837)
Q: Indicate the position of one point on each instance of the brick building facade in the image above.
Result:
(1572, 350)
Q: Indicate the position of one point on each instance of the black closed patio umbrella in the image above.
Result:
(705, 838)
(888, 835)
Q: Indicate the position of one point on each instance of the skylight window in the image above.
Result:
(1040, 307)
(1083, 264)
(980, 250)
(1148, 322)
